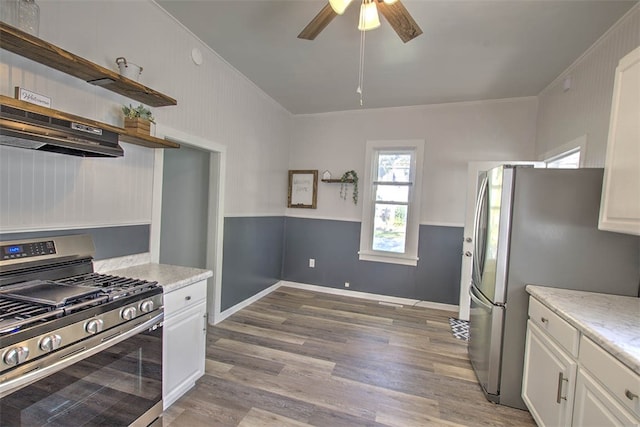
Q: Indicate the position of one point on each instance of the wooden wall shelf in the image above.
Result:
(38, 50)
(331, 181)
(125, 135)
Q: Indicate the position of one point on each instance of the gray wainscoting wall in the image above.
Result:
(252, 257)
(334, 245)
(110, 242)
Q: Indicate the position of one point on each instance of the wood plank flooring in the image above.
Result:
(302, 358)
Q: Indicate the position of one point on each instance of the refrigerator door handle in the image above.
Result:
(478, 301)
(476, 229)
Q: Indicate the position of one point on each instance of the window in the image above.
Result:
(391, 202)
(567, 160)
(569, 155)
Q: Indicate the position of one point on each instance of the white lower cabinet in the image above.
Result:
(548, 379)
(594, 406)
(184, 335)
(569, 380)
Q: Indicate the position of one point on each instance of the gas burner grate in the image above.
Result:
(114, 286)
(17, 314)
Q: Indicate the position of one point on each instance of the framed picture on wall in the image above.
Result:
(303, 189)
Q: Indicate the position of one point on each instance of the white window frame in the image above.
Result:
(366, 253)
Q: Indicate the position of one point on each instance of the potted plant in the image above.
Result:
(138, 119)
(349, 177)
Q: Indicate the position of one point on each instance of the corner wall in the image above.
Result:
(584, 109)
(454, 135)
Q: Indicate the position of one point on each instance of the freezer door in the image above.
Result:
(485, 342)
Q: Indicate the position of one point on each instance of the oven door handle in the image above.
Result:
(11, 385)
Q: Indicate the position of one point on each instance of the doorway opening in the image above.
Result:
(185, 197)
(188, 208)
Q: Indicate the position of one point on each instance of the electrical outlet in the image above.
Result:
(346, 284)
(312, 262)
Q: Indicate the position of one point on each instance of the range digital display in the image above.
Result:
(16, 249)
(26, 250)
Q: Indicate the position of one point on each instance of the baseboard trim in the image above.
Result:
(438, 306)
(343, 292)
(231, 310)
(369, 296)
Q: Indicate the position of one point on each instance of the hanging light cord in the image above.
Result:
(360, 89)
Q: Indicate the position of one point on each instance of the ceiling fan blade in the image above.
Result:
(318, 23)
(400, 19)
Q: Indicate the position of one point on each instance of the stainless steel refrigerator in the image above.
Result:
(536, 226)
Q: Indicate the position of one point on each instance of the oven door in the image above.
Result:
(120, 385)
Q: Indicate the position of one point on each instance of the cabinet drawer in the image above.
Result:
(565, 334)
(619, 380)
(184, 297)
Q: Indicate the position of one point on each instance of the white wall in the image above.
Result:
(454, 134)
(215, 102)
(50, 191)
(585, 108)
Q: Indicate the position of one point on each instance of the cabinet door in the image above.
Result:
(620, 207)
(184, 352)
(548, 379)
(594, 406)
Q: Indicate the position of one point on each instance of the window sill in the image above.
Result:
(388, 258)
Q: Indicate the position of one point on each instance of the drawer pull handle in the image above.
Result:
(187, 298)
(560, 397)
(544, 320)
(630, 395)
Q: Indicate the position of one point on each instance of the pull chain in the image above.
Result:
(360, 89)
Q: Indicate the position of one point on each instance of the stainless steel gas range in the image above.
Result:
(76, 347)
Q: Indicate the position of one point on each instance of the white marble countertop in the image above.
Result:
(611, 321)
(170, 277)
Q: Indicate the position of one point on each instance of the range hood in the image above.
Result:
(21, 127)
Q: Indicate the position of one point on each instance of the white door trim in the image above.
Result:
(215, 219)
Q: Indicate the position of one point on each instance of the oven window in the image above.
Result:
(114, 387)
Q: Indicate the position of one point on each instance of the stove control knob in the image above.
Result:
(146, 306)
(16, 356)
(94, 326)
(128, 313)
(50, 342)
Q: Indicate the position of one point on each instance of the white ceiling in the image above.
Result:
(470, 50)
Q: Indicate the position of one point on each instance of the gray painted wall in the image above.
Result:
(252, 257)
(110, 242)
(185, 206)
(335, 244)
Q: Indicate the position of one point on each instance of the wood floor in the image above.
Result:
(299, 358)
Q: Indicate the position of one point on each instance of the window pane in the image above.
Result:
(392, 193)
(566, 161)
(389, 228)
(394, 167)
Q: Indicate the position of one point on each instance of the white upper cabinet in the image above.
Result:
(620, 207)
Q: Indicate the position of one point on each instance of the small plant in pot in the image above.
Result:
(138, 118)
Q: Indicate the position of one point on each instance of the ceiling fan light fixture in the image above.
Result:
(369, 18)
(339, 6)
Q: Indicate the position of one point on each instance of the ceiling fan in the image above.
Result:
(393, 10)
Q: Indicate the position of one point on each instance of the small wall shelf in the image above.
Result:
(38, 50)
(333, 181)
(125, 135)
